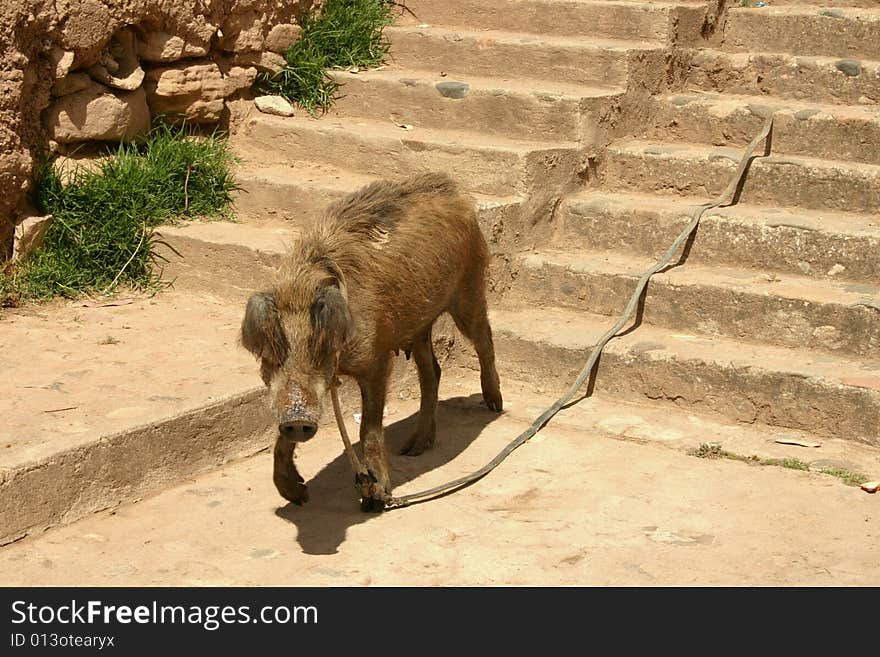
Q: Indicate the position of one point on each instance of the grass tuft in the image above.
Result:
(714, 451)
(846, 476)
(789, 463)
(102, 231)
(341, 34)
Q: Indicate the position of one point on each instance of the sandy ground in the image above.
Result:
(605, 495)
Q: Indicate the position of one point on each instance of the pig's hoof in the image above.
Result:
(374, 494)
(376, 500)
(372, 505)
(417, 444)
(493, 400)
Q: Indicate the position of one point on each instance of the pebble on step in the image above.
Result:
(277, 105)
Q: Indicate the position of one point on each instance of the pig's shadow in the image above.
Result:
(333, 507)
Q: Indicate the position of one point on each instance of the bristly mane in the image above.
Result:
(375, 210)
(368, 216)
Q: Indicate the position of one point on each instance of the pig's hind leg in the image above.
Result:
(470, 313)
(429, 382)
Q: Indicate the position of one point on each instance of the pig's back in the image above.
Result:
(411, 245)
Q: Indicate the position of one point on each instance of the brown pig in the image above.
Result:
(367, 280)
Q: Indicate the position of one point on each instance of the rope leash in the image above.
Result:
(726, 198)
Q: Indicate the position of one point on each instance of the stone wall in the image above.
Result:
(74, 71)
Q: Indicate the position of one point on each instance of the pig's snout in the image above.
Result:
(299, 431)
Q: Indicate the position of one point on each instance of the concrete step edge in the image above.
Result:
(690, 152)
(829, 244)
(523, 38)
(733, 279)
(131, 463)
(499, 83)
(793, 388)
(388, 130)
(834, 317)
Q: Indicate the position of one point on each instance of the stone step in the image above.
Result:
(827, 395)
(821, 4)
(805, 30)
(648, 21)
(110, 400)
(489, 165)
(491, 53)
(506, 106)
(294, 192)
(788, 310)
(290, 196)
(810, 77)
(816, 244)
(794, 180)
(837, 132)
(656, 516)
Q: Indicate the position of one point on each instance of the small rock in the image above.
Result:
(833, 13)
(62, 60)
(871, 486)
(836, 269)
(803, 115)
(457, 90)
(97, 114)
(265, 62)
(29, 235)
(798, 442)
(761, 111)
(277, 105)
(72, 83)
(282, 36)
(864, 100)
(130, 82)
(120, 67)
(196, 91)
(849, 67)
(243, 31)
(163, 47)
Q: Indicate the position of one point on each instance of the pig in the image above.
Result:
(367, 280)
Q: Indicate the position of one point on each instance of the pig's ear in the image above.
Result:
(262, 333)
(331, 324)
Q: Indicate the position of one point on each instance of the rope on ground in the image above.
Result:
(726, 198)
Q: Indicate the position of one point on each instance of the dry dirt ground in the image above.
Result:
(605, 495)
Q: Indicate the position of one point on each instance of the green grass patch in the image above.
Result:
(789, 463)
(341, 34)
(846, 476)
(102, 232)
(714, 451)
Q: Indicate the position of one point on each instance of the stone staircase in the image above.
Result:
(630, 115)
(585, 130)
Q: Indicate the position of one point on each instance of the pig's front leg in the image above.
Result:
(287, 480)
(376, 486)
